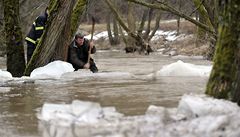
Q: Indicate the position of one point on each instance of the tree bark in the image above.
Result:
(148, 29)
(142, 23)
(109, 30)
(115, 32)
(78, 12)
(2, 38)
(224, 79)
(58, 33)
(131, 25)
(178, 18)
(157, 22)
(15, 50)
(212, 10)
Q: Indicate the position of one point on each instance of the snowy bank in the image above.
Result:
(196, 116)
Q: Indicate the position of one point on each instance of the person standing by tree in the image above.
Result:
(79, 55)
(35, 33)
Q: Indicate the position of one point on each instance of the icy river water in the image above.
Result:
(21, 101)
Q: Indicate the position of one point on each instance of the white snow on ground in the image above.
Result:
(196, 116)
(52, 70)
(103, 34)
(168, 35)
(180, 68)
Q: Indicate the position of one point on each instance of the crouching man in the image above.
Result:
(78, 53)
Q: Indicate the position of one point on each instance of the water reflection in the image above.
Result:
(20, 101)
(18, 109)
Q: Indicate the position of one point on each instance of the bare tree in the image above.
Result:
(15, 51)
(165, 7)
(143, 46)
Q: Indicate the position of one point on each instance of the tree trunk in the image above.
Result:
(2, 38)
(224, 79)
(178, 18)
(78, 12)
(131, 25)
(212, 10)
(142, 23)
(15, 50)
(58, 33)
(109, 30)
(148, 29)
(204, 18)
(123, 35)
(115, 32)
(156, 26)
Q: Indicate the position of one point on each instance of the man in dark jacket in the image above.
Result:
(35, 33)
(78, 53)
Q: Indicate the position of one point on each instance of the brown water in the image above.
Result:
(21, 101)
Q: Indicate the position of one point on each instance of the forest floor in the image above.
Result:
(184, 45)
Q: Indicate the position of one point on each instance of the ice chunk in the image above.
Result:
(196, 106)
(52, 70)
(180, 68)
(82, 112)
(5, 74)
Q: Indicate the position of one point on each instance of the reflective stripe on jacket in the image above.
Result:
(37, 29)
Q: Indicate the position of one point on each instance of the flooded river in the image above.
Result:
(21, 101)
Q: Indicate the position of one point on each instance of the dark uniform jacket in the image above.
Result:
(78, 56)
(37, 30)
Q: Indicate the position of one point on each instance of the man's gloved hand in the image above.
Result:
(86, 66)
(91, 44)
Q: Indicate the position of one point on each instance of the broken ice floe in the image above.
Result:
(196, 116)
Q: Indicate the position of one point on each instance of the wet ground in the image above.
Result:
(21, 101)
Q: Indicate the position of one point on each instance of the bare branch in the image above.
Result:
(166, 7)
(197, 8)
